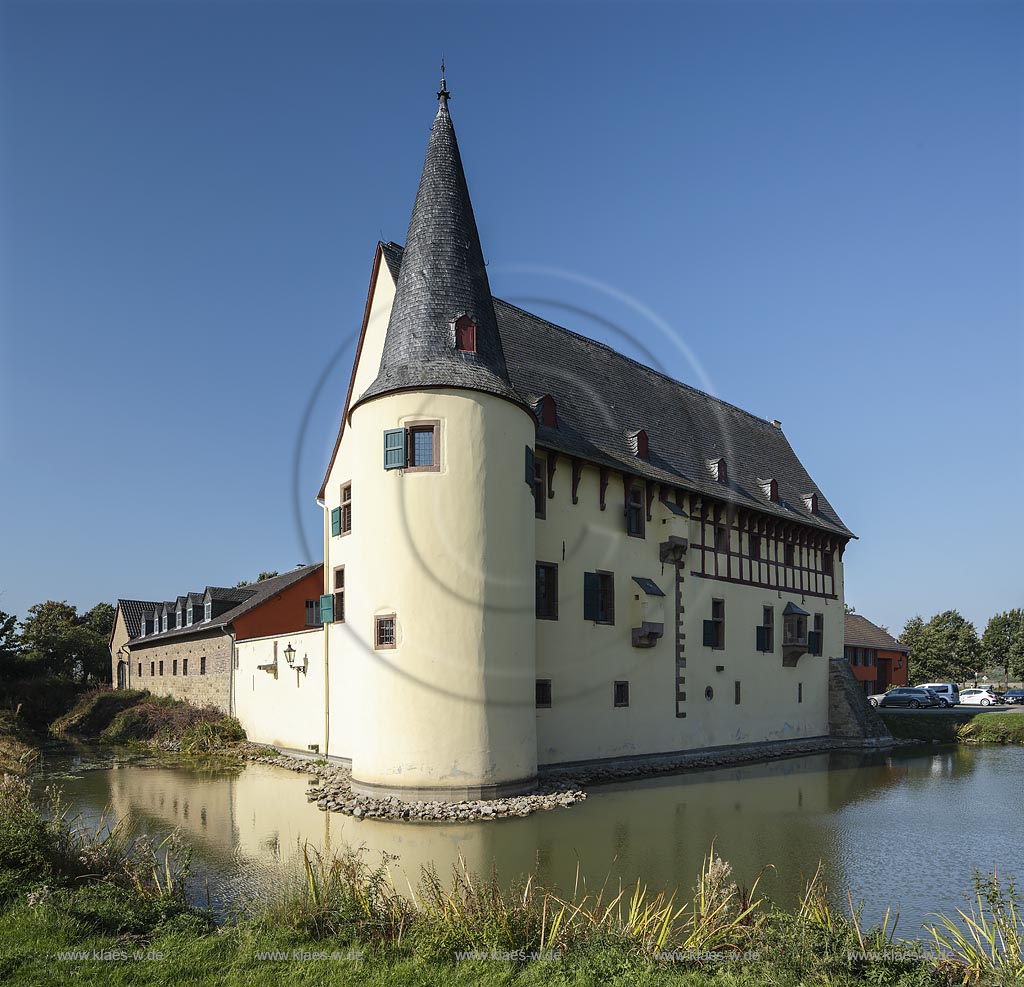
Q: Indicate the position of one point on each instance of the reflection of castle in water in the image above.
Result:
(659, 829)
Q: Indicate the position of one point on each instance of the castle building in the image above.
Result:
(538, 551)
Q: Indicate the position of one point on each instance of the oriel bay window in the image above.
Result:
(714, 629)
(599, 597)
(547, 591)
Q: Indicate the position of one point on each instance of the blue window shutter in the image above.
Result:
(591, 596)
(710, 639)
(394, 448)
(762, 639)
(531, 471)
(335, 520)
(326, 608)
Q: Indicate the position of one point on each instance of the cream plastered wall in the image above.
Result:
(584, 659)
(451, 554)
(283, 708)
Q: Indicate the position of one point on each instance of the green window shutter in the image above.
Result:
(591, 596)
(762, 639)
(326, 608)
(709, 634)
(814, 642)
(335, 520)
(530, 468)
(394, 448)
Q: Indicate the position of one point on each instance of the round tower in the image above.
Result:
(444, 680)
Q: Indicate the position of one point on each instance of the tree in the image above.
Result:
(56, 639)
(10, 645)
(849, 609)
(946, 649)
(1002, 643)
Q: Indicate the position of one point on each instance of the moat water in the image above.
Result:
(904, 829)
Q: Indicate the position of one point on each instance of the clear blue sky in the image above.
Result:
(823, 201)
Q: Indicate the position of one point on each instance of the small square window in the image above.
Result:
(543, 693)
(422, 452)
(621, 694)
(384, 631)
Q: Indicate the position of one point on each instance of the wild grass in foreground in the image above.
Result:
(66, 888)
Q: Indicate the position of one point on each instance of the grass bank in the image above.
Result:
(125, 716)
(108, 907)
(956, 726)
(18, 750)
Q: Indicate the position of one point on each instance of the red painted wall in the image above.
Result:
(282, 613)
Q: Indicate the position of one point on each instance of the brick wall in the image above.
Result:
(211, 689)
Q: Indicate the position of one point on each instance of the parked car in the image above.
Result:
(876, 699)
(1014, 697)
(948, 692)
(911, 698)
(978, 697)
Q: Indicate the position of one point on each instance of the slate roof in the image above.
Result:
(443, 277)
(133, 611)
(602, 396)
(861, 633)
(236, 594)
(257, 594)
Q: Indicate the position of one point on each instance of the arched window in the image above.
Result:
(465, 334)
(547, 411)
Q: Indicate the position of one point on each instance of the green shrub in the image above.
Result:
(205, 735)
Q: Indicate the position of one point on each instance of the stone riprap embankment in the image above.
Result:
(331, 784)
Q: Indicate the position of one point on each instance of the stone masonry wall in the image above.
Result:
(210, 689)
(849, 714)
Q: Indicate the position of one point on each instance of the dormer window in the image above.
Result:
(811, 502)
(189, 616)
(638, 444)
(165, 622)
(208, 610)
(770, 489)
(546, 411)
(719, 470)
(465, 334)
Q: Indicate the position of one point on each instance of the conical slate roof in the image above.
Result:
(442, 278)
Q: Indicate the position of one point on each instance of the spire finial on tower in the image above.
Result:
(443, 95)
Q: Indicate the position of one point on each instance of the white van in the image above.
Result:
(948, 692)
